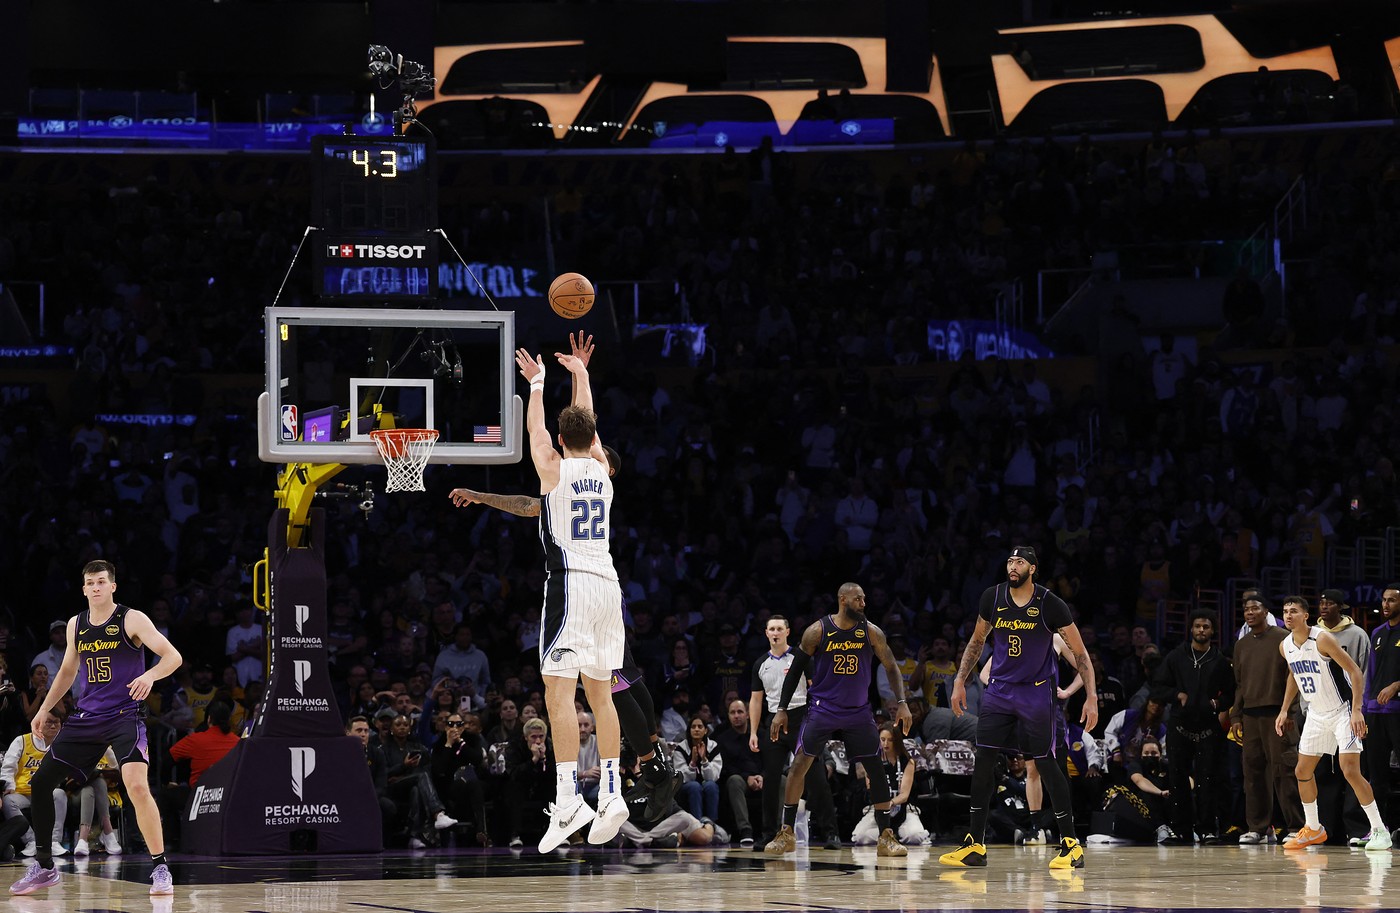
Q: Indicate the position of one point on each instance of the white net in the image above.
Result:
(405, 452)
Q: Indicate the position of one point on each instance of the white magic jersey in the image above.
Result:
(581, 624)
(1323, 684)
(575, 519)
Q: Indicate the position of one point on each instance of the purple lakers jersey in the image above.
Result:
(841, 669)
(107, 663)
(1023, 644)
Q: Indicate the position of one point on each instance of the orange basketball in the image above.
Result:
(571, 295)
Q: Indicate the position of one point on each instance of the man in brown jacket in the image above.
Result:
(1268, 759)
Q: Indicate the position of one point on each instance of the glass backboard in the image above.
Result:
(335, 374)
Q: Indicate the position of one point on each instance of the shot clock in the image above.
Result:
(374, 201)
(362, 183)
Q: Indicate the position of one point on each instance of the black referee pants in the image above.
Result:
(815, 790)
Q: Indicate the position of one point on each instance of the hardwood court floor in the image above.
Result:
(700, 881)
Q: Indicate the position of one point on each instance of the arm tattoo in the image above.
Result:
(520, 505)
(1086, 668)
(971, 655)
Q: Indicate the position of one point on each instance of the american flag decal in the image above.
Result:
(486, 434)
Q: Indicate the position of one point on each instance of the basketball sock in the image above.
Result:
(158, 859)
(977, 823)
(1310, 815)
(44, 857)
(1058, 794)
(608, 782)
(565, 782)
(882, 819)
(654, 769)
(983, 783)
(1373, 814)
(790, 816)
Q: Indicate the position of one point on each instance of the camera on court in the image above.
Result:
(414, 79)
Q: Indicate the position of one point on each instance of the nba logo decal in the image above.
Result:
(289, 423)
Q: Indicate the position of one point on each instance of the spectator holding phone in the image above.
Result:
(459, 768)
(411, 787)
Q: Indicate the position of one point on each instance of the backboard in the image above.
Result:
(335, 374)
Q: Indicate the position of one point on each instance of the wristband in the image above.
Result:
(903, 700)
(537, 386)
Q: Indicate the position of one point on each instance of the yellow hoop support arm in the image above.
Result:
(296, 486)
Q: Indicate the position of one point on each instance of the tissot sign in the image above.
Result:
(376, 266)
(365, 251)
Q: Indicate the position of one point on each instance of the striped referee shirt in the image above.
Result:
(768, 676)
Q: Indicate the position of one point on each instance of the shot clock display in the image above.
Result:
(373, 184)
(374, 201)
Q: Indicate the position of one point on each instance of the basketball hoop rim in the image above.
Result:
(405, 450)
(405, 434)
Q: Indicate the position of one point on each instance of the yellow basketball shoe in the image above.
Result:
(1070, 856)
(971, 853)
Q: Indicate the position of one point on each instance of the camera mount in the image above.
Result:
(412, 78)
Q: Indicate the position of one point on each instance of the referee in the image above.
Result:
(768, 675)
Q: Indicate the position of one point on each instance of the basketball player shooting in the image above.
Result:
(581, 632)
(107, 646)
(631, 699)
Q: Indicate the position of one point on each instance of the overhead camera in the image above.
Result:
(412, 78)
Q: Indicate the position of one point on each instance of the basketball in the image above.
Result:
(571, 295)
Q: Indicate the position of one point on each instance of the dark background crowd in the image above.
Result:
(816, 442)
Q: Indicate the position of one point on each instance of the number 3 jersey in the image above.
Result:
(108, 662)
(841, 669)
(1023, 637)
(574, 519)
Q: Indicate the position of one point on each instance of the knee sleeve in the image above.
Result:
(879, 784)
(1056, 784)
(642, 696)
(632, 721)
(49, 776)
(984, 773)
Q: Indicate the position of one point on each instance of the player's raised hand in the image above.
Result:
(581, 348)
(463, 496)
(531, 366)
(572, 363)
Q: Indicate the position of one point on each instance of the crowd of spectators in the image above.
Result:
(787, 463)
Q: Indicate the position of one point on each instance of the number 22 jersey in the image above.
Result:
(574, 519)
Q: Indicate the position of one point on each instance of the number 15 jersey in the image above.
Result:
(574, 519)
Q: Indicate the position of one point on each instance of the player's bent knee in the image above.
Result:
(879, 786)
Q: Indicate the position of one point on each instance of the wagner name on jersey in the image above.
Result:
(574, 519)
